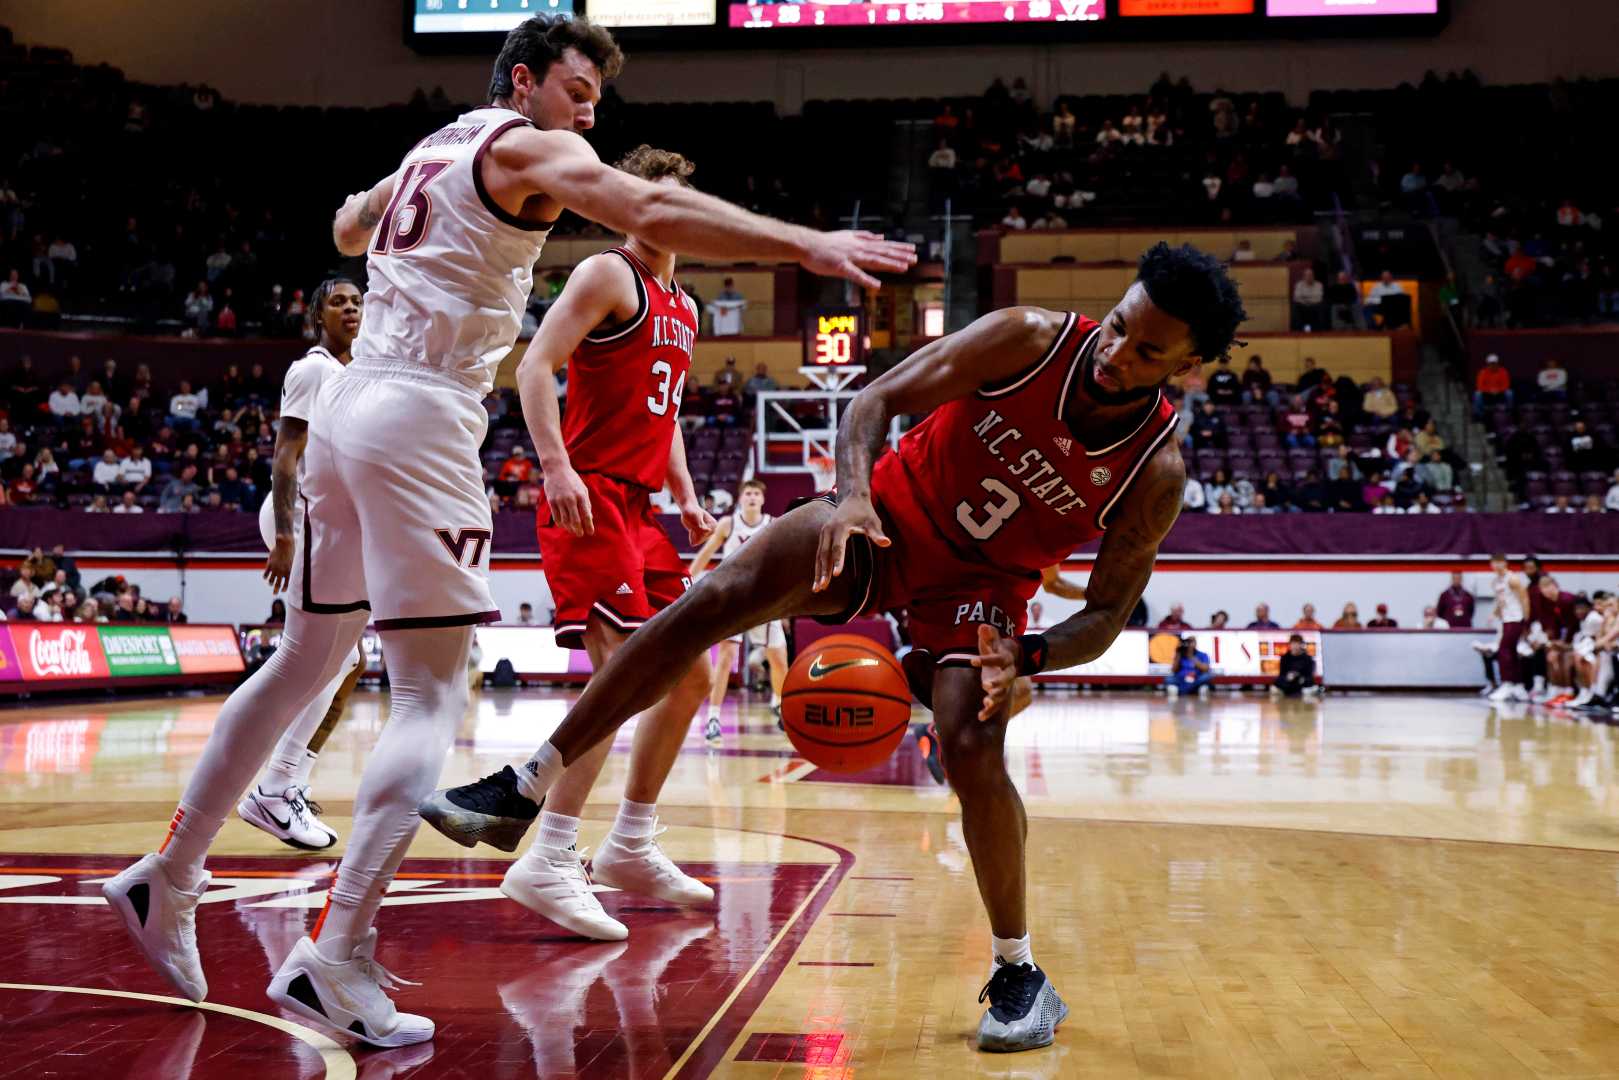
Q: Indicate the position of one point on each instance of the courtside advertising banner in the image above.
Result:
(53, 652)
(1148, 654)
(207, 649)
(10, 666)
(139, 650)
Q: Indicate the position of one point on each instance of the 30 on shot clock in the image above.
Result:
(835, 337)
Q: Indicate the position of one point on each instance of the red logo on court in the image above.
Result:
(59, 652)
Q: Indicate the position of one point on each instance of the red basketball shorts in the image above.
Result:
(625, 572)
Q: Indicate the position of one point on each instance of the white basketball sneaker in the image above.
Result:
(551, 882)
(162, 918)
(348, 995)
(640, 866)
(287, 816)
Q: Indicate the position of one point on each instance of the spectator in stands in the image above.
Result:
(1014, 219)
(8, 438)
(24, 586)
(1586, 453)
(1456, 603)
(15, 300)
(1343, 302)
(727, 309)
(1224, 386)
(1386, 505)
(1193, 499)
(728, 378)
(1176, 619)
(199, 308)
(1190, 671)
(1593, 505)
(1295, 671)
(24, 487)
(136, 469)
(107, 474)
(758, 382)
(233, 492)
(1208, 429)
(64, 403)
(1421, 503)
(1245, 251)
(1349, 620)
(98, 505)
(1552, 380)
(1431, 619)
(1314, 496)
(1296, 425)
(177, 489)
(1262, 619)
(1612, 501)
(1276, 493)
(517, 469)
(1379, 400)
(1382, 622)
(1310, 377)
(1226, 504)
(1218, 485)
(1309, 296)
(1257, 378)
(1386, 287)
(174, 613)
(1374, 491)
(128, 505)
(28, 610)
(1219, 620)
(1307, 619)
(1560, 505)
(183, 408)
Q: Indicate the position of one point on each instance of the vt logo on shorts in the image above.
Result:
(457, 543)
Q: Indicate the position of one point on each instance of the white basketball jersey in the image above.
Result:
(299, 391)
(741, 531)
(450, 270)
(1511, 608)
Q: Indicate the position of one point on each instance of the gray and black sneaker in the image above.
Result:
(1024, 1009)
(492, 811)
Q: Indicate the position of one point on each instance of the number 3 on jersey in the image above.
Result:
(659, 403)
(404, 223)
(997, 511)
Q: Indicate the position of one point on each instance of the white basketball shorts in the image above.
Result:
(772, 635)
(395, 515)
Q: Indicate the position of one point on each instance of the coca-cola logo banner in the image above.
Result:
(58, 652)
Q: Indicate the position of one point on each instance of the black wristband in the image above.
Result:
(1033, 648)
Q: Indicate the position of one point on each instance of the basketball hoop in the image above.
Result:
(825, 471)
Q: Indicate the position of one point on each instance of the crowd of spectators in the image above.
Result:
(1209, 157)
(1322, 445)
(1557, 438)
(49, 588)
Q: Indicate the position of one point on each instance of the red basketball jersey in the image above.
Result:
(625, 384)
(1002, 475)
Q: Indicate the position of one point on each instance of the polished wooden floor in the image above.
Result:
(1399, 886)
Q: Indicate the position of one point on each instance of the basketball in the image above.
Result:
(845, 703)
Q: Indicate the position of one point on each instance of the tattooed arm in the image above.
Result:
(291, 436)
(354, 224)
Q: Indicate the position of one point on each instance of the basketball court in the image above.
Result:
(1388, 885)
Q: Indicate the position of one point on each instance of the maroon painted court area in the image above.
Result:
(512, 995)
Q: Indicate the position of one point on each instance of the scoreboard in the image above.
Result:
(475, 25)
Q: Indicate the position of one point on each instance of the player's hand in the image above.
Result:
(699, 522)
(278, 567)
(849, 254)
(570, 501)
(854, 514)
(997, 664)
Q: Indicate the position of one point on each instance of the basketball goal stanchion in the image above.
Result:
(777, 424)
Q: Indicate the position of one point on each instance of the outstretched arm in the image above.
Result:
(354, 224)
(561, 166)
(993, 347)
(1053, 582)
(721, 532)
(1125, 562)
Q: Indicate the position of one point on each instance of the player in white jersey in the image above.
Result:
(397, 524)
(1593, 651)
(1511, 608)
(732, 532)
(279, 802)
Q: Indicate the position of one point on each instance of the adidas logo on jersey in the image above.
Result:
(625, 590)
(1065, 445)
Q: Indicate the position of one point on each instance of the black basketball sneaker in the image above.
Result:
(1024, 1009)
(492, 811)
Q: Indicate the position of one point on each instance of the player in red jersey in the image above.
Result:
(1046, 431)
(625, 330)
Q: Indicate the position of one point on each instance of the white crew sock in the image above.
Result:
(636, 821)
(1012, 950)
(541, 771)
(184, 849)
(281, 773)
(713, 712)
(558, 830)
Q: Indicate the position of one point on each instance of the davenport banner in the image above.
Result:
(139, 650)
